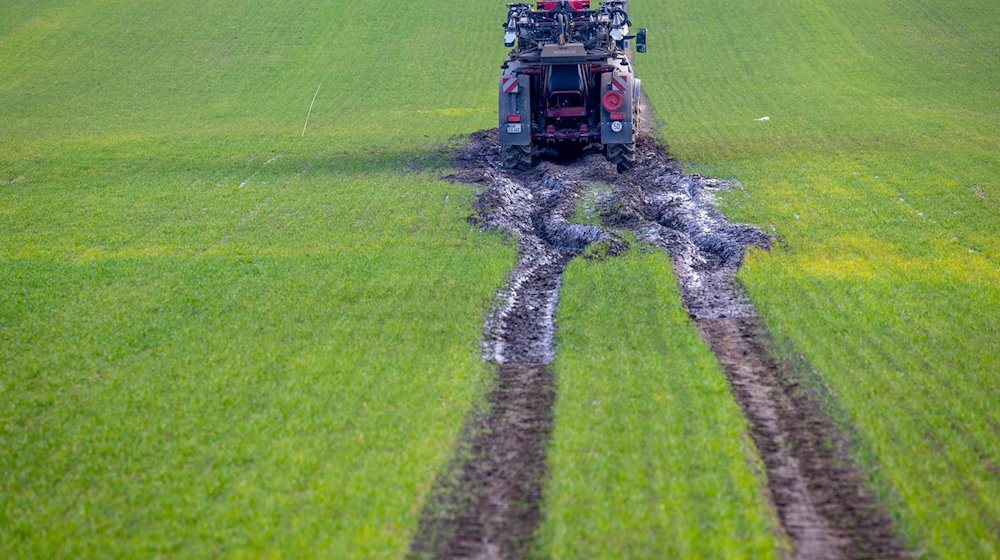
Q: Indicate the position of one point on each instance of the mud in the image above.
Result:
(533, 207)
(488, 506)
(820, 496)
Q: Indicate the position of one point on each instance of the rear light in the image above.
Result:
(551, 129)
(617, 116)
(584, 128)
(514, 118)
(612, 101)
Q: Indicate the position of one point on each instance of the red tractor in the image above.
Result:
(568, 83)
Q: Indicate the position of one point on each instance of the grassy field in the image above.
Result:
(878, 170)
(649, 456)
(218, 337)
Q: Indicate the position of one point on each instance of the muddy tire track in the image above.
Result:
(488, 506)
(487, 503)
(821, 498)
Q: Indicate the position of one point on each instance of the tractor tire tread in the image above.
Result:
(622, 156)
(517, 157)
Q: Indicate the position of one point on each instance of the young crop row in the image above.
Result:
(219, 337)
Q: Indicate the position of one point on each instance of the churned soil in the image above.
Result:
(487, 504)
(820, 496)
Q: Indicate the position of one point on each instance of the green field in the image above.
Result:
(879, 171)
(222, 337)
(641, 399)
(219, 337)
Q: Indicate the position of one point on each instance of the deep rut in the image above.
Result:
(488, 504)
(820, 497)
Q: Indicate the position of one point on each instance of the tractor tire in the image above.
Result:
(517, 157)
(622, 155)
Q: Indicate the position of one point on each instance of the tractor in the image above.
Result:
(568, 84)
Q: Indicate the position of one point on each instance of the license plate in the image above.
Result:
(513, 128)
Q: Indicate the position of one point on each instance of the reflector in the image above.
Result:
(612, 101)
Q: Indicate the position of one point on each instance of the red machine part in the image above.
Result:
(612, 101)
(575, 4)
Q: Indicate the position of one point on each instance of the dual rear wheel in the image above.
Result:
(517, 157)
(621, 155)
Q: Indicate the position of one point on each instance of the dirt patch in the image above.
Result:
(820, 496)
(488, 507)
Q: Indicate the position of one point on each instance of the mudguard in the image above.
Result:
(515, 101)
(627, 134)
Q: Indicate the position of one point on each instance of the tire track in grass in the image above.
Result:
(820, 497)
(487, 504)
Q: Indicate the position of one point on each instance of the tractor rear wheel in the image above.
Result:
(622, 155)
(517, 157)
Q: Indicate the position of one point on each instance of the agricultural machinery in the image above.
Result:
(568, 83)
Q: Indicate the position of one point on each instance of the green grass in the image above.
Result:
(218, 337)
(649, 455)
(232, 398)
(878, 170)
(221, 338)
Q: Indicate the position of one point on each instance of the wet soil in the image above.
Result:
(821, 498)
(487, 504)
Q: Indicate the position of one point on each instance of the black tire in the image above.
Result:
(622, 155)
(517, 157)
